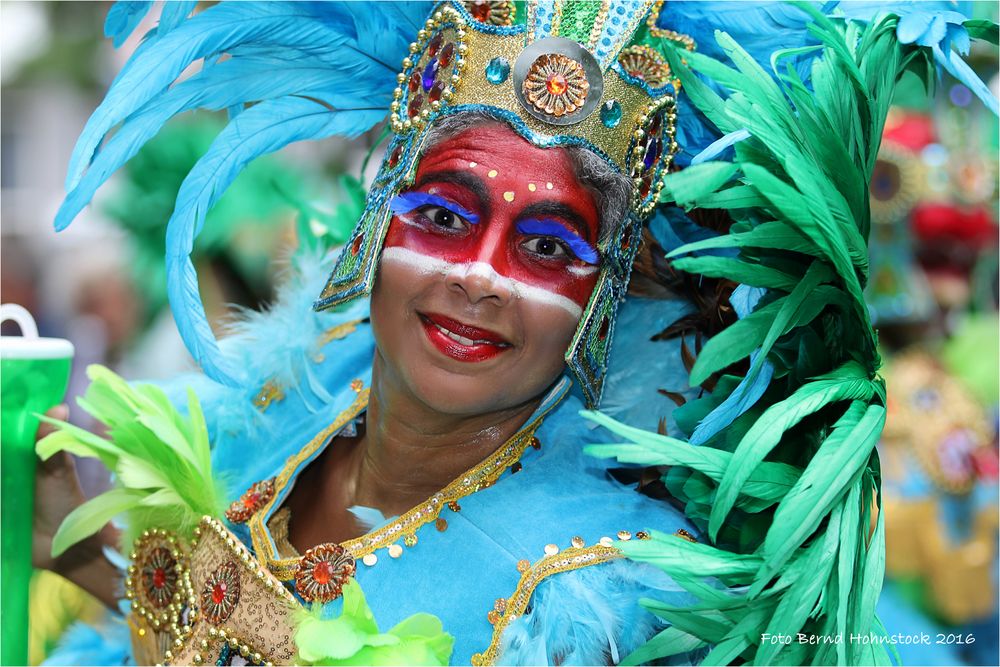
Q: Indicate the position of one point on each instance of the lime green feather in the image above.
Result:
(161, 460)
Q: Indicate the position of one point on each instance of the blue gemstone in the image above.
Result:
(497, 71)
(652, 152)
(611, 113)
(430, 74)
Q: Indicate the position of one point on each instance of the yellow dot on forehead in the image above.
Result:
(473, 164)
(492, 173)
(548, 186)
(531, 186)
(509, 196)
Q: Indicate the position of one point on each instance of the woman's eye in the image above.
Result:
(442, 217)
(547, 247)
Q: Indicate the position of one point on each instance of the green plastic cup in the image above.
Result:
(34, 373)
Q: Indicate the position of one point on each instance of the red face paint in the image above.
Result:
(501, 179)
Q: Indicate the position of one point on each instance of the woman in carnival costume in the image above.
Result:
(452, 501)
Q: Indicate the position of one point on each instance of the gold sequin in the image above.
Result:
(269, 393)
(357, 385)
(441, 524)
(624, 535)
(500, 605)
(508, 196)
(551, 550)
(492, 173)
(531, 187)
(492, 616)
(523, 565)
(410, 540)
(319, 358)
(642, 535)
(370, 559)
(577, 542)
(395, 551)
(683, 534)
(606, 541)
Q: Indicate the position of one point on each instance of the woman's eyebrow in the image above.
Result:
(549, 227)
(551, 209)
(464, 179)
(408, 201)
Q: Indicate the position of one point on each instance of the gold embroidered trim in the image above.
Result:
(654, 30)
(271, 392)
(570, 559)
(258, 533)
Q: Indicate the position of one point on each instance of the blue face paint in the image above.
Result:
(410, 201)
(579, 247)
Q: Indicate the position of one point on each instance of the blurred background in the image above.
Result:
(933, 293)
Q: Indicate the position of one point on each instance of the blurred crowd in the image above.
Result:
(933, 292)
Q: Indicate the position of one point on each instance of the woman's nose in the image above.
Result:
(480, 281)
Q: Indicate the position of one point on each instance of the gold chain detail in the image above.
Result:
(570, 559)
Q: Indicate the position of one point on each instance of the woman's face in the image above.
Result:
(488, 263)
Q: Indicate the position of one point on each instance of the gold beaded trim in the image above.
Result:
(448, 19)
(238, 549)
(684, 40)
(168, 617)
(224, 637)
(506, 611)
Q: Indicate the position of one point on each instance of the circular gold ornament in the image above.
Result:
(323, 571)
(556, 85)
(642, 62)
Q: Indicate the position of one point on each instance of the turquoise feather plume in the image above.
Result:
(286, 71)
(786, 492)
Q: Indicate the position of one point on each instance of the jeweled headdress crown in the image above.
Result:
(570, 73)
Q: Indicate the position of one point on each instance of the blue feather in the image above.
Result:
(326, 33)
(123, 18)
(746, 394)
(173, 14)
(264, 128)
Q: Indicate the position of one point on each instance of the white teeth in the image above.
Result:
(462, 340)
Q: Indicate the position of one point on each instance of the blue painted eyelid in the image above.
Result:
(580, 247)
(409, 201)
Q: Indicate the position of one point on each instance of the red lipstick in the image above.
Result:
(462, 342)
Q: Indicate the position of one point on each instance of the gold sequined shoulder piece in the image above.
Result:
(507, 610)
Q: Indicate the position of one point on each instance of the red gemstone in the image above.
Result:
(602, 333)
(480, 11)
(251, 500)
(159, 578)
(436, 91)
(356, 245)
(219, 592)
(446, 53)
(394, 156)
(654, 125)
(413, 108)
(434, 45)
(323, 572)
(414, 84)
(556, 84)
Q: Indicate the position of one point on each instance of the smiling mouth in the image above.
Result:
(462, 341)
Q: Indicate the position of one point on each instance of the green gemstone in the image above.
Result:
(497, 71)
(611, 113)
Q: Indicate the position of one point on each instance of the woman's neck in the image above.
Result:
(410, 451)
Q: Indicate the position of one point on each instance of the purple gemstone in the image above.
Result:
(652, 152)
(430, 74)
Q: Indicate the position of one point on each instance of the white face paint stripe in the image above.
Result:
(435, 265)
(582, 270)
